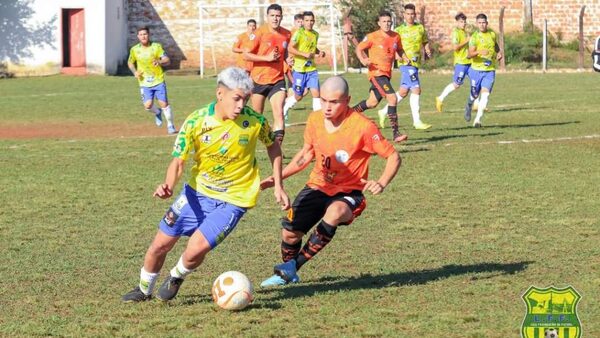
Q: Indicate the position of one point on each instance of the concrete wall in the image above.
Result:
(38, 41)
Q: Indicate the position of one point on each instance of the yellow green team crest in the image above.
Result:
(551, 313)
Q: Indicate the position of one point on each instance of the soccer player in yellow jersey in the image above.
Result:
(460, 41)
(303, 47)
(413, 38)
(146, 60)
(224, 182)
(484, 52)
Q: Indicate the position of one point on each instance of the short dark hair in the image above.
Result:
(144, 28)
(274, 7)
(481, 16)
(251, 21)
(298, 16)
(410, 6)
(460, 16)
(308, 13)
(384, 13)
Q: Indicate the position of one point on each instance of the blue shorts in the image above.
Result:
(193, 211)
(460, 71)
(305, 80)
(481, 79)
(410, 77)
(159, 91)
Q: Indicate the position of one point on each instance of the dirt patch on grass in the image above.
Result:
(78, 130)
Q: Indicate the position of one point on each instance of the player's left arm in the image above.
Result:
(393, 162)
(426, 44)
(275, 155)
(162, 58)
(499, 52)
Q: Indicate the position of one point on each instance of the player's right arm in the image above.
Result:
(174, 173)
(456, 44)
(360, 51)
(131, 64)
(237, 45)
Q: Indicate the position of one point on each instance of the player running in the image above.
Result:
(413, 37)
(268, 54)
(304, 72)
(242, 43)
(484, 52)
(341, 141)
(146, 60)
(460, 42)
(383, 47)
(221, 138)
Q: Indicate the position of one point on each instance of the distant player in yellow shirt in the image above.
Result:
(413, 38)
(146, 60)
(303, 47)
(221, 138)
(484, 52)
(460, 42)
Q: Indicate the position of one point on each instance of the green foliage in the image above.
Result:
(364, 15)
(523, 46)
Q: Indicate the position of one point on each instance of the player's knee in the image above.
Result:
(338, 213)
(148, 105)
(371, 102)
(157, 249)
(291, 237)
(391, 99)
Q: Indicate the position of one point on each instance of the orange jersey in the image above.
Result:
(244, 41)
(342, 157)
(264, 43)
(382, 49)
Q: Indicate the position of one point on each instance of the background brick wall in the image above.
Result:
(175, 23)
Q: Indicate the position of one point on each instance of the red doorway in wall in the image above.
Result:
(73, 41)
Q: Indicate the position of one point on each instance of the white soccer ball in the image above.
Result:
(232, 290)
(551, 333)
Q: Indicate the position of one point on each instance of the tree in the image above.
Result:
(364, 15)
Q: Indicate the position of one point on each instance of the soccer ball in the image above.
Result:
(232, 290)
(550, 333)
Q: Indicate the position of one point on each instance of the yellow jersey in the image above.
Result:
(224, 152)
(144, 58)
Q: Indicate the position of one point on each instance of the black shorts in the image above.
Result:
(310, 206)
(269, 90)
(381, 86)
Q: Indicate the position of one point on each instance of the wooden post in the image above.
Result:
(581, 42)
(501, 39)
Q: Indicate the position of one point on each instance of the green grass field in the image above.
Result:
(473, 219)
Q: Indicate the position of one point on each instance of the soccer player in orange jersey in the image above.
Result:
(242, 43)
(341, 141)
(268, 54)
(383, 47)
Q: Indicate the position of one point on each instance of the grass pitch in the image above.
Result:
(473, 219)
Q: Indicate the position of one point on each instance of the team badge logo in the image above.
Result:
(251, 37)
(375, 138)
(551, 312)
(245, 124)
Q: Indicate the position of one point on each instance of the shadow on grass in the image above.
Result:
(447, 137)
(337, 284)
(530, 125)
